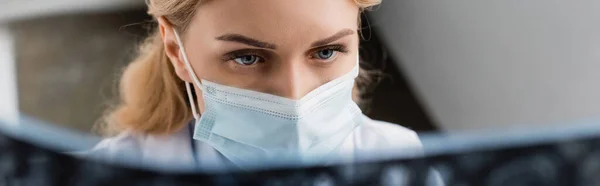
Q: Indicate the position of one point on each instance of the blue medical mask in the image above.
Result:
(250, 127)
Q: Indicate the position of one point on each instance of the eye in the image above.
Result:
(325, 54)
(329, 53)
(247, 60)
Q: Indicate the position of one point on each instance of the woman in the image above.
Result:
(234, 82)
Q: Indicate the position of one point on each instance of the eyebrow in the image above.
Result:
(261, 44)
(246, 40)
(333, 38)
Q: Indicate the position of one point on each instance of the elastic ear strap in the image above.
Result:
(357, 67)
(191, 73)
(188, 87)
(185, 59)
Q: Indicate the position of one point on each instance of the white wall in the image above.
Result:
(15, 9)
(9, 107)
(497, 64)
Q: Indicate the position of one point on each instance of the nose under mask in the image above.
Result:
(250, 127)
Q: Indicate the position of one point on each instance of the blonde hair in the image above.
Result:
(152, 97)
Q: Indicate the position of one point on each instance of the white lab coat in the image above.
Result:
(175, 150)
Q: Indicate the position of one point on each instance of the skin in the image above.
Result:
(289, 47)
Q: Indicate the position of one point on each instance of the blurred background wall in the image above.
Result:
(498, 64)
(68, 65)
(9, 109)
(67, 58)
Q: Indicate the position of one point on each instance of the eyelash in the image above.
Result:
(338, 48)
(242, 53)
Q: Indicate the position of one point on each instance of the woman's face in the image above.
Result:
(281, 47)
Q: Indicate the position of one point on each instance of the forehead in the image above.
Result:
(277, 21)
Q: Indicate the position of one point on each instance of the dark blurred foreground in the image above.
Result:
(567, 157)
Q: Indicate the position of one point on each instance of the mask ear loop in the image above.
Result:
(191, 72)
(358, 60)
